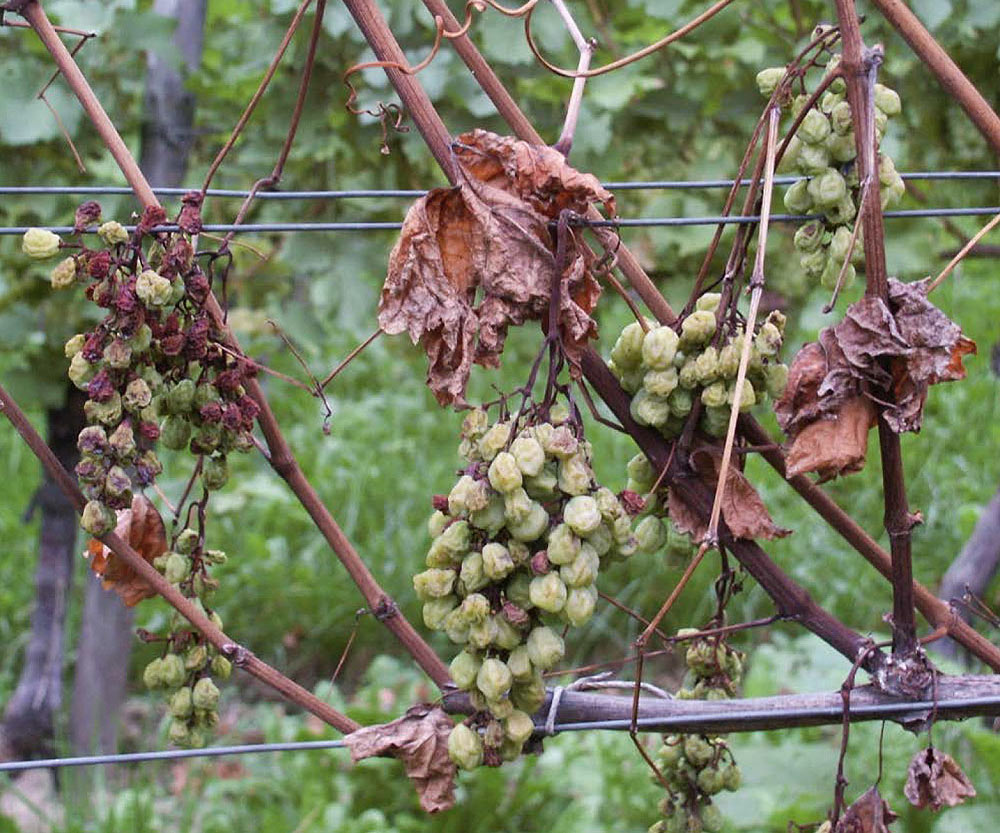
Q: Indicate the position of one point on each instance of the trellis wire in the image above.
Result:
(639, 222)
(676, 724)
(679, 184)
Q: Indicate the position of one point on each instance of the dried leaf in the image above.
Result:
(142, 527)
(935, 780)
(420, 740)
(489, 238)
(742, 508)
(869, 814)
(833, 446)
(903, 347)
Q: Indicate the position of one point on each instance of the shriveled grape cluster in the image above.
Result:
(154, 369)
(187, 666)
(666, 372)
(696, 767)
(823, 150)
(517, 546)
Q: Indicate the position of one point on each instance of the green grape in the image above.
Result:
(815, 127)
(465, 747)
(797, 197)
(660, 347)
(813, 159)
(768, 80)
(548, 592)
(827, 189)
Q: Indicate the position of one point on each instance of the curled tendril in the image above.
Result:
(621, 62)
(391, 116)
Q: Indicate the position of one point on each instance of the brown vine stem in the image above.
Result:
(860, 66)
(682, 582)
(280, 454)
(947, 71)
(239, 655)
(62, 30)
(937, 612)
(300, 101)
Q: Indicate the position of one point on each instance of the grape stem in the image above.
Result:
(850, 248)
(757, 289)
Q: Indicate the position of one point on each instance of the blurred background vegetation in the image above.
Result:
(684, 113)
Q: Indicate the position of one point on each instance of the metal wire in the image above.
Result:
(170, 754)
(677, 723)
(680, 184)
(638, 222)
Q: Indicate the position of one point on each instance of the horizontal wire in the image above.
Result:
(639, 222)
(668, 184)
(677, 723)
(170, 754)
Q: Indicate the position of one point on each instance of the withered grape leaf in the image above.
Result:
(935, 780)
(420, 740)
(869, 814)
(900, 349)
(835, 445)
(473, 259)
(142, 527)
(743, 510)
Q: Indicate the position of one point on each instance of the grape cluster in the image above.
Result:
(653, 529)
(186, 668)
(696, 767)
(517, 546)
(666, 372)
(823, 150)
(153, 368)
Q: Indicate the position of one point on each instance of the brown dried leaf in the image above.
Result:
(142, 527)
(743, 510)
(833, 446)
(869, 814)
(489, 237)
(935, 780)
(538, 174)
(903, 347)
(420, 740)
